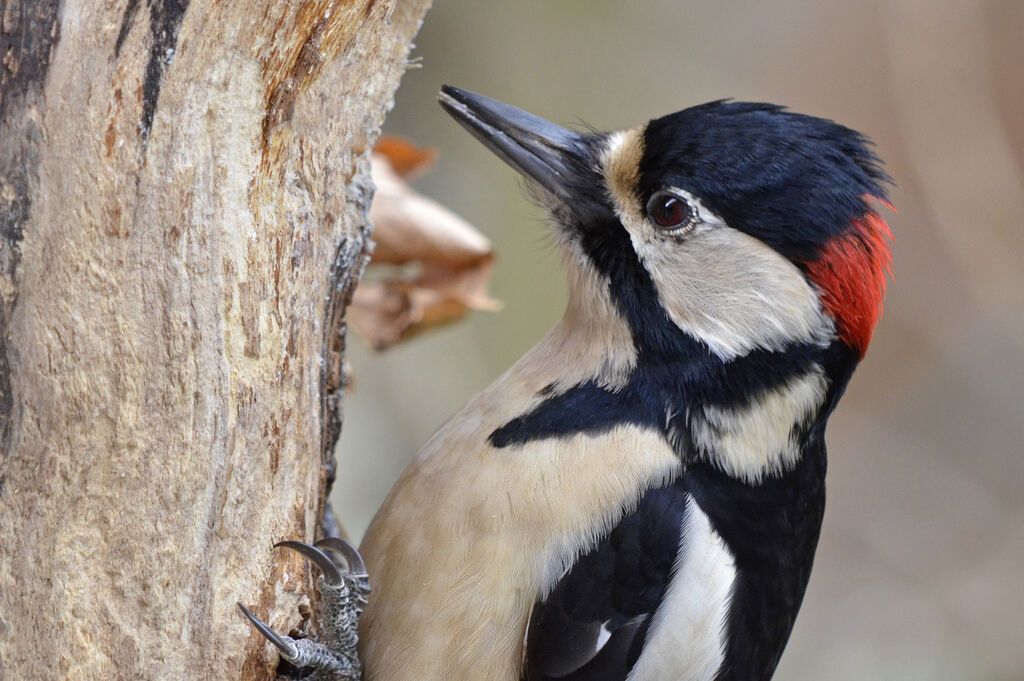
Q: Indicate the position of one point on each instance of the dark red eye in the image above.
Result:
(668, 210)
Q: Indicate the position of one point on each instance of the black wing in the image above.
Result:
(592, 626)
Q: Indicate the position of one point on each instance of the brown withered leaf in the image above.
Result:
(406, 159)
(442, 264)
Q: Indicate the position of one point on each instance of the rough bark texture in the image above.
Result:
(183, 190)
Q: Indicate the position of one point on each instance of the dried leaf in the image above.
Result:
(452, 261)
(406, 159)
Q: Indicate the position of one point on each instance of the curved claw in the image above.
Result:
(285, 644)
(356, 566)
(321, 559)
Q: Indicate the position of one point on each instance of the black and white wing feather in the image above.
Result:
(593, 624)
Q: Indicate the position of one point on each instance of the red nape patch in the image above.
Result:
(851, 275)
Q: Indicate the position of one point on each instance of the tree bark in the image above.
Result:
(183, 196)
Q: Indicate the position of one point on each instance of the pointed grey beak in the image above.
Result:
(558, 159)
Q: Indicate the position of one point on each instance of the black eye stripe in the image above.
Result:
(668, 210)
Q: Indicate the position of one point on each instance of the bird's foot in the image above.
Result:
(344, 588)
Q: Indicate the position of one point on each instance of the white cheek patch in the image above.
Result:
(758, 440)
(687, 635)
(731, 291)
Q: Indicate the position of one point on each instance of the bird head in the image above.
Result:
(740, 227)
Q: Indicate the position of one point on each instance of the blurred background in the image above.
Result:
(919, 570)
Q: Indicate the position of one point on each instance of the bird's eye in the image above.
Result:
(670, 211)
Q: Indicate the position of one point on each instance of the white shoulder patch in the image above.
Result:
(687, 635)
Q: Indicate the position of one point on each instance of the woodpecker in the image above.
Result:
(640, 496)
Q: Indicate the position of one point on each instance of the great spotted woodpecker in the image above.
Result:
(640, 496)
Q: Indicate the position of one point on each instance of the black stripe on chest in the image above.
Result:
(659, 396)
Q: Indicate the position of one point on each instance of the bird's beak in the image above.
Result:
(554, 157)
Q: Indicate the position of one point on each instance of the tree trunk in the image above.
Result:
(183, 197)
